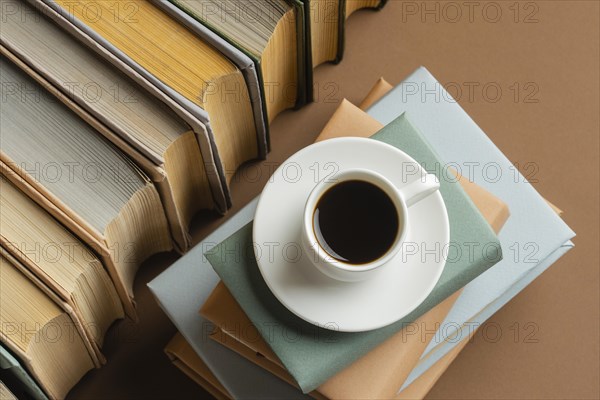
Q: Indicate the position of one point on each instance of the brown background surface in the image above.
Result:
(553, 122)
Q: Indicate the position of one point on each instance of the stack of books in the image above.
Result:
(238, 341)
(120, 122)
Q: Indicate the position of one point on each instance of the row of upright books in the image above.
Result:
(120, 122)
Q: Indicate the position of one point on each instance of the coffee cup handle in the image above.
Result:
(419, 189)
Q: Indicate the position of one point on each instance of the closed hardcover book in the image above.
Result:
(73, 272)
(41, 330)
(66, 166)
(182, 355)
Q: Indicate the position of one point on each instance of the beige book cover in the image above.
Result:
(423, 384)
(383, 372)
(185, 358)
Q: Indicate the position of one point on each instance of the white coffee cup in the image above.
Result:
(402, 198)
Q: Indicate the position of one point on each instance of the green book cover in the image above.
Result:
(312, 354)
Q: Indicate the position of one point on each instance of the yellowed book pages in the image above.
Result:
(117, 211)
(179, 156)
(185, 63)
(71, 269)
(37, 327)
(268, 36)
(324, 17)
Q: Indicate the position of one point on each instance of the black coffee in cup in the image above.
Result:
(356, 222)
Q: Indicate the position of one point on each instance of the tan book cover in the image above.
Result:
(423, 384)
(379, 89)
(383, 372)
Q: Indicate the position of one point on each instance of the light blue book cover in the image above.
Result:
(532, 234)
(446, 343)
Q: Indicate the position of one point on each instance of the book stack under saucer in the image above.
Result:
(239, 337)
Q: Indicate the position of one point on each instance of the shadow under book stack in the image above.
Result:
(116, 130)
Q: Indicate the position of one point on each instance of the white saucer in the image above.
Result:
(349, 307)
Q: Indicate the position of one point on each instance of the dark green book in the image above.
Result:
(313, 354)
